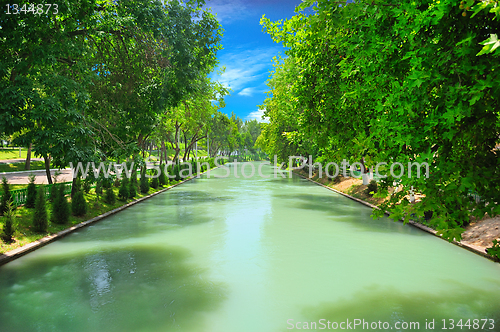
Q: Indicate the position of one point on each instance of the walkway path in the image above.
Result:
(41, 177)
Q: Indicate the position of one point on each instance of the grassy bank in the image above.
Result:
(13, 153)
(16, 167)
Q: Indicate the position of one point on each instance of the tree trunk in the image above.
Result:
(364, 170)
(27, 164)
(73, 188)
(164, 150)
(46, 159)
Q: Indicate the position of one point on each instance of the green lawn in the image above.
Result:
(35, 165)
(10, 153)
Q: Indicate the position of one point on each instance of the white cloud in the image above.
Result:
(228, 10)
(246, 67)
(257, 115)
(248, 92)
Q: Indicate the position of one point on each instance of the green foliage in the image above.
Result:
(87, 184)
(162, 179)
(109, 196)
(40, 218)
(31, 192)
(155, 183)
(79, 204)
(9, 228)
(98, 187)
(107, 182)
(124, 191)
(371, 189)
(60, 207)
(132, 189)
(394, 84)
(75, 102)
(494, 250)
(6, 196)
(144, 181)
(176, 172)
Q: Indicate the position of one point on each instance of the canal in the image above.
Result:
(247, 254)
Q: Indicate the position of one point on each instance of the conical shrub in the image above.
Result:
(132, 189)
(144, 181)
(109, 196)
(8, 229)
(31, 192)
(6, 196)
(98, 188)
(79, 204)
(40, 219)
(124, 191)
(60, 206)
(162, 179)
(155, 183)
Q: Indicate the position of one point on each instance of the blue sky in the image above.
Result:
(248, 51)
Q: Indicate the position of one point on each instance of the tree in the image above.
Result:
(132, 190)
(109, 196)
(80, 88)
(144, 181)
(394, 83)
(40, 219)
(124, 191)
(79, 204)
(6, 196)
(162, 179)
(9, 229)
(60, 207)
(31, 192)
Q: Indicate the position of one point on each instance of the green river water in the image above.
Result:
(238, 254)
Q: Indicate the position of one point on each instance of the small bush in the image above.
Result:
(6, 196)
(155, 182)
(109, 196)
(177, 174)
(8, 229)
(52, 192)
(87, 184)
(337, 179)
(162, 179)
(60, 207)
(98, 188)
(124, 191)
(79, 204)
(494, 250)
(132, 189)
(133, 178)
(116, 182)
(144, 182)
(31, 192)
(371, 189)
(40, 219)
(107, 183)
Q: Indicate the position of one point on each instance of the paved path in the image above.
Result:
(41, 177)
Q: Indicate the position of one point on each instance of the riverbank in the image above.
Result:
(477, 237)
(26, 240)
